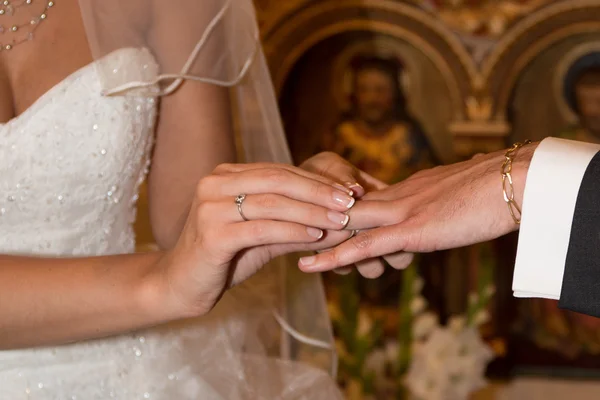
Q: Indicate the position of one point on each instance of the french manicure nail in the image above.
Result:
(308, 261)
(343, 199)
(344, 189)
(314, 232)
(338, 218)
(351, 185)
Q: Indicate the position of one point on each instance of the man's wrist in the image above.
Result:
(521, 164)
(518, 171)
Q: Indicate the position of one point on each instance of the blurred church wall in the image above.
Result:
(475, 76)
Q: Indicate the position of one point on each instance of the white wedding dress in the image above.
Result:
(70, 168)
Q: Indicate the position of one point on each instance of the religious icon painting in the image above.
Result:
(352, 95)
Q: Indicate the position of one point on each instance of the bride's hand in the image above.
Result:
(288, 210)
(334, 167)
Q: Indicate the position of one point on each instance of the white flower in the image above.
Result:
(471, 341)
(423, 381)
(364, 324)
(424, 325)
(440, 345)
(449, 366)
(418, 305)
(418, 284)
(457, 323)
(481, 318)
(416, 347)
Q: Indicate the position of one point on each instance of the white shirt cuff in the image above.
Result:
(551, 190)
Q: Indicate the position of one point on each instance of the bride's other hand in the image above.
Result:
(334, 167)
(441, 208)
(287, 210)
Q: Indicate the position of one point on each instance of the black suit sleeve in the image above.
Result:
(581, 280)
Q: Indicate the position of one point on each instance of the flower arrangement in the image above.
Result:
(426, 360)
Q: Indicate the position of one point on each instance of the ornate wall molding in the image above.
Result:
(531, 37)
(480, 93)
(299, 29)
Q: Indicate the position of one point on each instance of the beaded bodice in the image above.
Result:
(70, 166)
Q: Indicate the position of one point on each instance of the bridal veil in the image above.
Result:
(271, 337)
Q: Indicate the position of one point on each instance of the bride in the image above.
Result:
(94, 94)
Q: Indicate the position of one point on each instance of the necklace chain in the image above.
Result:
(8, 8)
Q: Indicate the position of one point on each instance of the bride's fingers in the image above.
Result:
(278, 181)
(335, 167)
(233, 168)
(275, 207)
(339, 170)
(243, 235)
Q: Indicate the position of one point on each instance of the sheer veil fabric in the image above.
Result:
(274, 334)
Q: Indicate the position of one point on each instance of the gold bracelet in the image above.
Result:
(507, 182)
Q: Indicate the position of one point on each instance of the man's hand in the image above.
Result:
(437, 209)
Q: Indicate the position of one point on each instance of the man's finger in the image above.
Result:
(343, 271)
(366, 245)
(371, 269)
(369, 214)
(401, 260)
